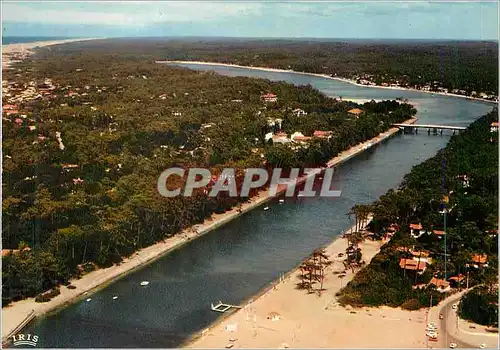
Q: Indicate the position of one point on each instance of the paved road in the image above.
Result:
(449, 331)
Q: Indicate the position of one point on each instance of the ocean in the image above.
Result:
(29, 39)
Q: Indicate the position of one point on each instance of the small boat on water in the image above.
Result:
(89, 299)
(144, 283)
(282, 201)
(266, 208)
(115, 297)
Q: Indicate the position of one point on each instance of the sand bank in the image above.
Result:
(316, 321)
(14, 52)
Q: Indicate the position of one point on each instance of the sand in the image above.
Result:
(313, 321)
(22, 50)
(267, 69)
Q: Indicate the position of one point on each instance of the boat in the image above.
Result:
(89, 299)
(266, 208)
(115, 297)
(282, 201)
(144, 283)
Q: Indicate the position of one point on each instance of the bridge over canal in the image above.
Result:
(409, 128)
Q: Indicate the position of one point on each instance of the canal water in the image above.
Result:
(239, 259)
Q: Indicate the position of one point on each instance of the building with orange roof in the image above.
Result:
(322, 134)
(494, 127)
(441, 285)
(413, 265)
(479, 259)
(355, 111)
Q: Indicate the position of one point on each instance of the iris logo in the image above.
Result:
(25, 339)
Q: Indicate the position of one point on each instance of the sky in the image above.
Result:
(310, 19)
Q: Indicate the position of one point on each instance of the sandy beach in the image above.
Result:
(17, 312)
(267, 69)
(15, 52)
(314, 321)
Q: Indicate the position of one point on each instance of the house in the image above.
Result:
(77, 181)
(416, 230)
(480, 260)
(322, 134)
(413, 265)
(12, 111)
(273, 122)
(464, 179)
(68, 167)
(269, 97)
(9, 107)
(299, 112)
(299, 137)
(6, 252)
(494, 127)
(441, 285)
(280, 137)
(456, 280)
(355, 111)
(418, 255)
(439, 233)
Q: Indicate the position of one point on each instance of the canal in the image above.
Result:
(237, 260)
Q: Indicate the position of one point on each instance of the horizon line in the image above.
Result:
(244, 37)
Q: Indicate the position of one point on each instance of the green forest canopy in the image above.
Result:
(122, 121)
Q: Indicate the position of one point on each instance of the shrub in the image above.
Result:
(412, 304)
(45, 297)
(480, 305)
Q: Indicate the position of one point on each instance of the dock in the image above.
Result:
(222, 307)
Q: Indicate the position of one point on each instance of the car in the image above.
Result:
(454, 306)
(453, 345)
(482, 346)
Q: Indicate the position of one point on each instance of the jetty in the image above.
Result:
(222, 307)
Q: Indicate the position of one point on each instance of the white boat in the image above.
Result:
(282, 201)
(144, 283)
(115, 297)
(89, 299)
(266, 208)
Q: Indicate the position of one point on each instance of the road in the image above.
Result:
(451, 329)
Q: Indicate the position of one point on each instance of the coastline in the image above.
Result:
(331, 324)
(15, 314)
(26, 49)
(345, 80)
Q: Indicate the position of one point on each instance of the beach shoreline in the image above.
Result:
(345, 80)
(16, 313)
(26, 49)
(302, 314)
